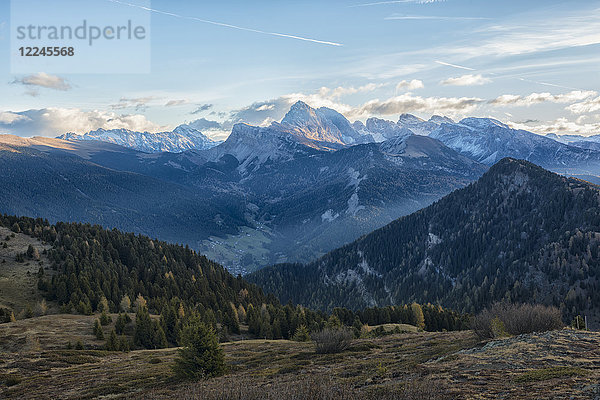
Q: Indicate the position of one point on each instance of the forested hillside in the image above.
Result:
(97, 270)
(519, 233)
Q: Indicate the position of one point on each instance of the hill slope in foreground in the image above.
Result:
(560, 364)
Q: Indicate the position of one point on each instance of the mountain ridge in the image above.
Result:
(498, 238)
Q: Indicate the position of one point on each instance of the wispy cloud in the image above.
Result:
(225, 25)
(42, 79)
(454, 65)
(432, 17)
(177, 102)
(201, 108)
(137, 103)
(466, 80)
(381, 3)
(535, 34)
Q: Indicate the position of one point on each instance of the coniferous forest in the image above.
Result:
(98, 270)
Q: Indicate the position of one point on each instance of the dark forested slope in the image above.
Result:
(519, 233)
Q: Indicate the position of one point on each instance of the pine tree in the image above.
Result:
(124, 344)
(201, 355)
(105, 319)
(120, 324)
(112, 343)
(98, 330)
(142, 336)
(301, 334)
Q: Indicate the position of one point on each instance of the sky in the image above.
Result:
(531, 64)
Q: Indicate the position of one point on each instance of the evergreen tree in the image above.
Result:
(112, 343)
(98, 330)
(201, 355)
(105, 319)
(301, 334)
(143, 335)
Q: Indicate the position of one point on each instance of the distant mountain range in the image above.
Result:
(288, 192)
(519, 233)
(180, 139)
(265, 195)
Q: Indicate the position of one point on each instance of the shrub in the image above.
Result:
(332, 340)
(12, 380)
(502, 319)
(201, 355)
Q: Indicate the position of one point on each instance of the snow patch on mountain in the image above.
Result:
(329, 216)
(353, 203)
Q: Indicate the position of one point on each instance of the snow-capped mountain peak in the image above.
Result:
(180, 139)
(483, 123)
(321, 128)
(409, 119)
(382, 130)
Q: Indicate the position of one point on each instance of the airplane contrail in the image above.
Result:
(548, 84)
(241, 28)
(454, 65)
(433, 17)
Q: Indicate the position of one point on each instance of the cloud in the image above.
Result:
(409, 103)
(8, 118)
(466, 80)
(534, 35)
(537, 98)
(174, 103)
(587, 106)
(410, 85)
(201, 108)
(204, 124)
(560, 126)
(241, 28)
(42, 79)
(262, 113)
(56, 121)
(137, 103)
(340, 91)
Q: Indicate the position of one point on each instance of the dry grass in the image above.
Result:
(392, 327)
(559, 364)
(18, 281)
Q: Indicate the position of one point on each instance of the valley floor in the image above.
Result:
(562, 364)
